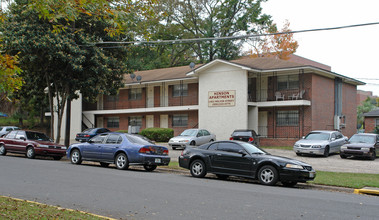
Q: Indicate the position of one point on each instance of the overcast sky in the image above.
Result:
(353, 52)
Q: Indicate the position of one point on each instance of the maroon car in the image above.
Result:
(31, 143)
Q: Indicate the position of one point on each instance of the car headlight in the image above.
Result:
(183, 141)
(316, 146)
(64, 148)
(343, 148)
(42, 145)
(294, 166)
(297, 145)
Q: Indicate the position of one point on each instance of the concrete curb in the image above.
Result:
(367, 190)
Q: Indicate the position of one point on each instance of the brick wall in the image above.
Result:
(369, 124)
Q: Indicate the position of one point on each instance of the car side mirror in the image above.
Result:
(242, 152)
(23, 138)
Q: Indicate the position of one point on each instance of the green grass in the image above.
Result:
(19, 209)
(350, 180)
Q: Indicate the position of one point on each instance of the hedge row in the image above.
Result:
(158, 134)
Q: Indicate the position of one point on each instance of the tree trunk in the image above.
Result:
(51, 104)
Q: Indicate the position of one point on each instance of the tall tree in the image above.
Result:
(214, 19)
(63, 62)
(274, 44)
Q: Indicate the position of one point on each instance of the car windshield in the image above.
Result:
(242, 133)
(88, 130)
(189, 132)
(362, 139)
(317, 136)
(250, 148)
(37, 136)
(137, 140)
(1, 128)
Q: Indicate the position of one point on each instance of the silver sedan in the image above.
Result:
(320, 143)
(191, 137)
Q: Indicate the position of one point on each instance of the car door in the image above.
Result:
(19, 142)
(9, 141)
(92, 150)
(232, 159)
(340, 141)
(112, 144)
(207, 136)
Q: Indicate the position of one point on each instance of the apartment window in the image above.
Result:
(135, 94)
(135, 121)
(180, 120)
(287, 118)
(112, 98)
(288, 82)
(113, 122)
(377, 122)
(180, 90)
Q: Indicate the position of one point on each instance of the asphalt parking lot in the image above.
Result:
(332, 163)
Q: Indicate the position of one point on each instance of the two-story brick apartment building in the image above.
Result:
(282, 100)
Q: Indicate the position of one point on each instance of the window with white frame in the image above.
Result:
(113, 122)
(180, 120)
(112, 98)
(288, 82)
(135, 94)
(180, 90)
(135, 121)
(287, 118)
(377, 122)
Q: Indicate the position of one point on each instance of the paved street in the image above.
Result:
(136, 194)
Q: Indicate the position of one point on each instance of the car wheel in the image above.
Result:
(373, 156)
(326, 151)
(121, 161)
(76, 157)
(150, 167)
(343, 156)
(193, 143)
(57, 158)
(289, 183)
(30, 153)
(268, 175)
(222, 177)
(104, 164)
(211, 140)
(2, 150)
(198, 169)
(174, 148)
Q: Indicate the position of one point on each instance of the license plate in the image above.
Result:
(311, 175)
(157, 160)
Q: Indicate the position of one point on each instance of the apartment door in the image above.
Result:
(164, 95)
(149, 121)
(100, 122)
(150, 97)
(262, 89)
(262, 123)
(164, 121)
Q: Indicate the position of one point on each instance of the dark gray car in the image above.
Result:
(361, 145)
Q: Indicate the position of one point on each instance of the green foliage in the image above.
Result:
(376, 130)
(367, 106)
(158, 134)
(122, 131)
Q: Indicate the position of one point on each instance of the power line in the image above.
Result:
(230, 37)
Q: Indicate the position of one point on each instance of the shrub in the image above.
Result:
(376, 130)
(122, 131)
(158, 134)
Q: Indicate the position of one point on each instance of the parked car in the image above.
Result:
(6, 129)
(31, 143)
(89, 133)
(246, 135)
(237, 158)
(320, 143)
(191, 137)
(120, 149)
(361, 145)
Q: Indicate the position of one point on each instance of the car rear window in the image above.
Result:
(242, 133)
(88, 130)
(137, 140)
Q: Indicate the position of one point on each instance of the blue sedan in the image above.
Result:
(121, 149)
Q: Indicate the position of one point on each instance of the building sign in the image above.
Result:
(222, 98)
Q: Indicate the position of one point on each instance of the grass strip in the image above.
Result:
(277, 147)
(350, 180)
(21, 209)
